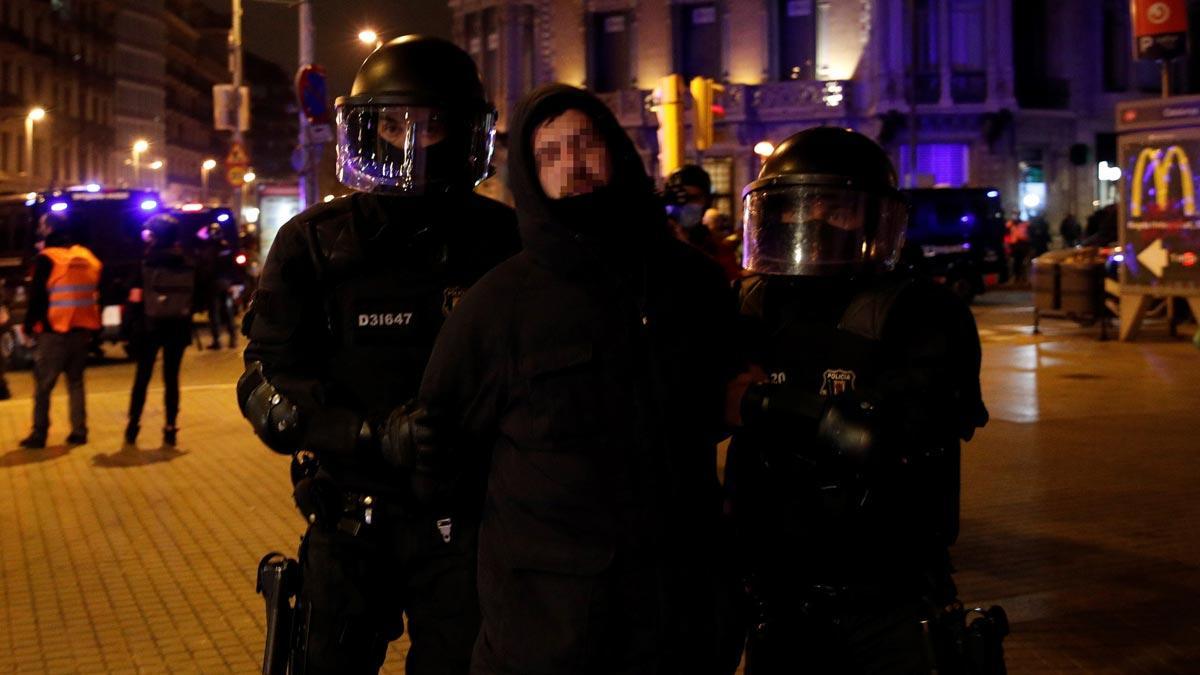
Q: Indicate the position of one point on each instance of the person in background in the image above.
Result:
(160, 312)
(688, 194)
(5, 317)
(726, 242)
(215, 270)
(1070, 231)
(64, 315)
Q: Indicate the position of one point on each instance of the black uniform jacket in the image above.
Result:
(810, 518)
(585, 375)
(351, 298)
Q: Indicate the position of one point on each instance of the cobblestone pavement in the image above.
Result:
(1079, 515)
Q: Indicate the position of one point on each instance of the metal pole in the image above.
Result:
(204, 185)
(137, 169)
(1166, 78)
(235, 65)
(312, 151)
(912, 94)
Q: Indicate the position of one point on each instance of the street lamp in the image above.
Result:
(139, 146)
(208, 165)
(36, 114)
(247, 179)
(370, 37)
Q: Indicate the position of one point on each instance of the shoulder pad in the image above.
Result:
(329, 229)
(750, 292)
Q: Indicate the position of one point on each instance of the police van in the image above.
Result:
(956, 235)
(110, 222)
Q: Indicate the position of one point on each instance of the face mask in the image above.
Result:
(691, 215)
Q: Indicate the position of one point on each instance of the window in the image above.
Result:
(966, 34)
(946, 164)
(698, 46)
(491, 52)
(611, 44)
(5, 140)
(483, 44)
(797, 39)
(527, 23)
(925, 34)
(720, 170)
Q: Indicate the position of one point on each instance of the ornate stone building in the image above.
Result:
(57, 56)
(1015, 94)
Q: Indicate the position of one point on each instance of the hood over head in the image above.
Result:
(609, 225)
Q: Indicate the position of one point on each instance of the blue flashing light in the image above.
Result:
(30, 202)
(58, 207)
(149, 205)
(92, 187)
(1119, 257)
(222, 217)
(993, 194)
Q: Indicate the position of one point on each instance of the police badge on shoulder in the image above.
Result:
(837, 382)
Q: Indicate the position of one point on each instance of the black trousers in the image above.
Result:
(358, 590)
(220, 315)
(60, 354)
(172, 350)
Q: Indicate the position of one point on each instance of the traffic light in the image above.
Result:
(670, 121)
(703, 89)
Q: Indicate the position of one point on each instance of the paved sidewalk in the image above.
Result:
(139, 562)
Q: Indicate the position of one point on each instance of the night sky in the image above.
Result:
(270, 30)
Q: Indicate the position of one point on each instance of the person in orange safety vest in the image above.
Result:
(63, 316)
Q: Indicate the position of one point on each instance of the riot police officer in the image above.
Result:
(844, 476)
(351, 298)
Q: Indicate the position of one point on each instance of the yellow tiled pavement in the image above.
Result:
(1079, 515)
(138, 562)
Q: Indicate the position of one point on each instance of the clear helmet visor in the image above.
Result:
(404, 149)
(820, 230)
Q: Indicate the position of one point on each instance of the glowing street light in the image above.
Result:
(249, 177)
(139, 146)
(764, 148)
(208, 165)
(36, 114)
(370, 37)
(156, 164)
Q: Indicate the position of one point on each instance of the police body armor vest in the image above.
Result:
(824, 505)
(386, 290)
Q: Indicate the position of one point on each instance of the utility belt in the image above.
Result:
(956, 640)
(355, 512)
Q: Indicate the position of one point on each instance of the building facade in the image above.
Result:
(196, 60)
(140, 98)
(1012, 94)
(58, 57)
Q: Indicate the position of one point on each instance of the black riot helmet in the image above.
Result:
(161, 231)
(825, 203)
(417, 121)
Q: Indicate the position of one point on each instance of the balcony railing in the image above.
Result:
(968, 86)
(928, 86)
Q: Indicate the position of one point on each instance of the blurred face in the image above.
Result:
(395, 124)
(572, 159)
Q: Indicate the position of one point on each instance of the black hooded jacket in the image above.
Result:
(585, 377)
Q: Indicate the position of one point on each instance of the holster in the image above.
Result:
(279, 584)
(970, 642)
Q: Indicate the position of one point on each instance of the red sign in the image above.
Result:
(1159, 28)
(1155, 17)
